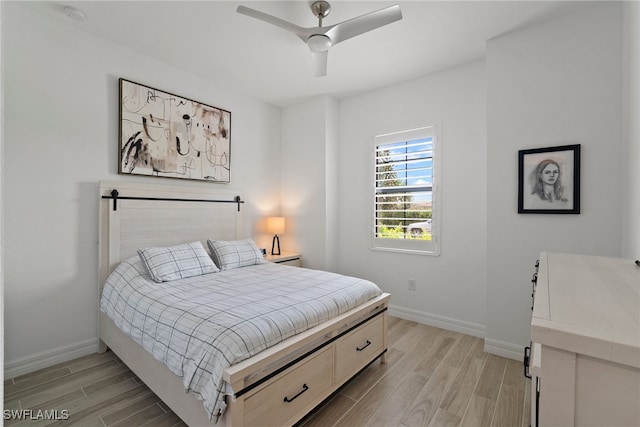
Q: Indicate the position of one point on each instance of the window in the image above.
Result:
(405, 215)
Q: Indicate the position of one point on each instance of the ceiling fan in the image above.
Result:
(320, 39)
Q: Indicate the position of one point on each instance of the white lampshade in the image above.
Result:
(275, 224)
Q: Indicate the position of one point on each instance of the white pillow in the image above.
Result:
(177, 262)
(235, 253)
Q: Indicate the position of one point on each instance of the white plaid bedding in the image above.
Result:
(200, 325)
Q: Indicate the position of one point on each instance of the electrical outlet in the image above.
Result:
(412, 284)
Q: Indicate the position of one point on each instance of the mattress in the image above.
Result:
(201, 325)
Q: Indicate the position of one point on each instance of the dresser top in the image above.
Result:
(589, 305)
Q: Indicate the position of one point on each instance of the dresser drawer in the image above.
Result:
(276, 403)
(357, 349)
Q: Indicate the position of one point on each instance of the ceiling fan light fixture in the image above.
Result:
(319, 43)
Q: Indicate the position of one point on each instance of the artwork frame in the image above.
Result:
(549, 180)
(170, 136)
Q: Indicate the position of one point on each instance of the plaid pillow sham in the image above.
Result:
(177, 262)
(235, 253)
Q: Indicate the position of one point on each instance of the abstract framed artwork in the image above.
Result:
(165, 135)
(549, 180)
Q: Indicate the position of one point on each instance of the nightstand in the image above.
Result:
(285, 258)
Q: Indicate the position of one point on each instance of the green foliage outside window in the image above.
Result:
(391, 232)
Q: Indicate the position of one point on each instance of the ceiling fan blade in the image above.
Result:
(301, 32)
(356, 26)
(319, 63)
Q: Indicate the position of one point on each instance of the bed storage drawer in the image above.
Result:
(357, 349)
(295, 392)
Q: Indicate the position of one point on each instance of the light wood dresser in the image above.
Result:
(585, 334)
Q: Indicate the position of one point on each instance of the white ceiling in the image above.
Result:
(210, 39)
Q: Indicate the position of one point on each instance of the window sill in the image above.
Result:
(407, 251)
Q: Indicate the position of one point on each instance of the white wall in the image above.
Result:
(61, 138)
(553, 84)
(332, 183)
(451, 288)
(309, 181)
(631, 129)
(1, 207)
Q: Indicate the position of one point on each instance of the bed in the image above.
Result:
(274, 382)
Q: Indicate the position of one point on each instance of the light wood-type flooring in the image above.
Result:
(432, 377)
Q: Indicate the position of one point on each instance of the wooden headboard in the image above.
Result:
(142, 217)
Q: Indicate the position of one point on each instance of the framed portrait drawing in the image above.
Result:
(549, 180)
(166, 135)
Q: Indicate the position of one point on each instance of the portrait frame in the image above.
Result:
(166, 135)
(549, 180)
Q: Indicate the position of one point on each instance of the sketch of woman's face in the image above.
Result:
(550, 174)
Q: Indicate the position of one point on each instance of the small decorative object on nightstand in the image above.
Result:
(285, 258)
(275, 226)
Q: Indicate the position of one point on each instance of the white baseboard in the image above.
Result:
(499, 348)
(25, 365)
(504, 349)
(462, 326)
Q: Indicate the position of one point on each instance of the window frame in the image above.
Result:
(410, 246)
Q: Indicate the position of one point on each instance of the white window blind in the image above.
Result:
(403, 214)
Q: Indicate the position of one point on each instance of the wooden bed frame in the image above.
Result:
(276, 387)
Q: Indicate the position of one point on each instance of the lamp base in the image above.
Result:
(275, 244)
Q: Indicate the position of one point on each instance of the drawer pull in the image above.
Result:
(527, 358)
(304, 388)
(365, 346)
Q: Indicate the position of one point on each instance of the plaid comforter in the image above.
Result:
(201, 325)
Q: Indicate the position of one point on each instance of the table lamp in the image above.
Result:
(275, 226)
